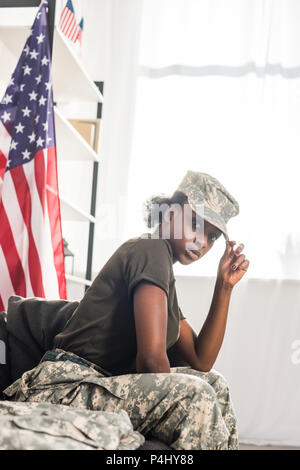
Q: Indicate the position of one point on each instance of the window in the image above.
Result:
(219, 92)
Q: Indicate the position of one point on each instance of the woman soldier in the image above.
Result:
(129, 334)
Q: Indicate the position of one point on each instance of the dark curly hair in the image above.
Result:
(152, 216)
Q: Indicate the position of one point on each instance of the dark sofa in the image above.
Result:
(27, 331)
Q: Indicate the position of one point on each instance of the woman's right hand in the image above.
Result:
(233, 264)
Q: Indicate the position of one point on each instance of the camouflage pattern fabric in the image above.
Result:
(209, 198)
(186, 409)
(41, 426)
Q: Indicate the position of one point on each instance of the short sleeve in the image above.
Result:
(150, 260)
(181, 316)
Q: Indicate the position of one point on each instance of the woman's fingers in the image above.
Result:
(244, 266)
(240, 263)
(234, 253)
(239, 249)
(229, 246)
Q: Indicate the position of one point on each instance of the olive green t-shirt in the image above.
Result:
(102, 328)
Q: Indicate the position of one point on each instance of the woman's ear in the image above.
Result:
(172, 212)
(168, 214)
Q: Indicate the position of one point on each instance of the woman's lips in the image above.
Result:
(192, 254)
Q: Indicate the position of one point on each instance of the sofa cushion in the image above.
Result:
(5, 378)
(154, 444)
(32, 324)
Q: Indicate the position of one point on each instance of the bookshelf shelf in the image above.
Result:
(70, 144)
(72, 212)
(71, 82)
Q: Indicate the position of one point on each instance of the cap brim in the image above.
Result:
(213, 218)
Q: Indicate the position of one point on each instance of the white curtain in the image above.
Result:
(219, 91)
(260, 355)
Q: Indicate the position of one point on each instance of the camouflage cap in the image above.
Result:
(218, 204)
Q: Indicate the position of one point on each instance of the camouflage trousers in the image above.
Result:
(187, 409)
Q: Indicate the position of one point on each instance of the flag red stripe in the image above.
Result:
(62, 17)
(5, 140)
(64, 12)
(71, 32)
(77, 37)
(68, 22)
(3, 161)
(66, 18)
(40, 179)
(70, 26)
(24, 199)
(2, 308)
(11, 254)
(55, 221)
(75, 33)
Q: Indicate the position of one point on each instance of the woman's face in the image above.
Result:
(191, 237)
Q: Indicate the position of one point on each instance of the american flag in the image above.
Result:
(31, 244)
(79, 37)
(80, 26)
(68, 23)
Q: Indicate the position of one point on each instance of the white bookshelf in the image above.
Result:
(70, 145)
(78, 280)
(72, 212)
(70, 80)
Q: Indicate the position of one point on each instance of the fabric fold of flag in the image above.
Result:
(31, 244)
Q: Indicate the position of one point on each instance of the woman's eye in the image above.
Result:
(196, 224)
(213, 237)
(197, 227)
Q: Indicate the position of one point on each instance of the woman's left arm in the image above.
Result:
(201, 351)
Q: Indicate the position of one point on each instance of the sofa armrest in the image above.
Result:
(5, 376)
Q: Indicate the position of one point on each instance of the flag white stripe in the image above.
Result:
(68, 24)
(74, 34)
(63, 13)
(73, 31)
(18, 227)
(41, 231)
(6, 287)
(71, 26)
(66, 16)
(66, 19)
